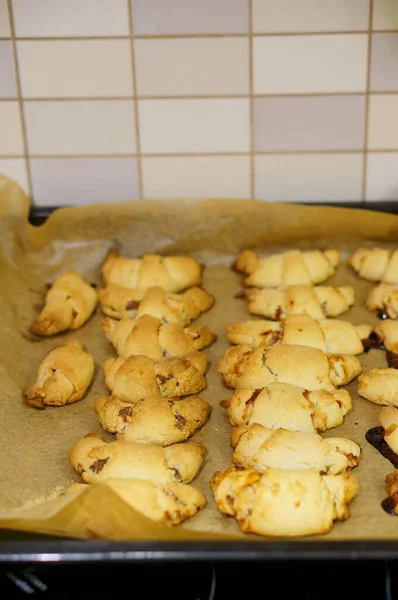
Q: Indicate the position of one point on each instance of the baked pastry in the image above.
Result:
(171, 273)
(282, 502)
(63, 377)
(317, 302)
(285, 406)
(131, 379)
(169, 503)
(329, 335)
(148, 336)
(154, 420)
(384, 299)
(287, 268)
(261, 448)
(119, 302)
(389, 422)
(375, 264)
(69, 303)
(379, 386)
(243, 366)
(96, 461)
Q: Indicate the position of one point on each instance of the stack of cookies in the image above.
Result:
(286, 373)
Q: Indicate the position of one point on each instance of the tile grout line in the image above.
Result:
(367, 103)
(251, 101)
(135, 102)
(20, 99)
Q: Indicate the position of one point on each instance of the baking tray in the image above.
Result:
(19, 547)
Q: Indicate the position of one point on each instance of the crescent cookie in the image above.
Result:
(288, 268)
(131, 379)
(389, 421)
(155, 420)
(285, 406)
(379, 386)
(97, 461)
(317, 302)
(375, 264)
(69, 303)
(243, 366)
(63, 377)
(261, 448)
(148, 336)
(283, 502)
(384, 298)
(171, 273)
(329, 335)
(119, 302)
(169, 503)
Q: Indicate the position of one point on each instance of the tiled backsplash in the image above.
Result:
(283, 100)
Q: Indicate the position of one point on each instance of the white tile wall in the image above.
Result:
(11, 128)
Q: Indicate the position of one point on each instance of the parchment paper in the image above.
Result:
(34, 444)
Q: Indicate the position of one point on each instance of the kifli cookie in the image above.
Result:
(69, 303)
(155, 420)
(384, 299)
(375, 264)
(317, 302)
(243, 366)
(388, 418)
(131, 379)
(287, 268)
(63, 377)
(261, 448)
(148, 336)
(169, 503)
(171, 273)
(119, 302)
(285, 406)
(379, 386)
(329, 335)
(283, 502)
(96, 460)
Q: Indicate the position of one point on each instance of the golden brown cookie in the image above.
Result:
(63, 377)
(375, 264)
(388, 418)
(261, 448)
(148, 336)
(379, 386)
(384, 299)
(317, 302)
(285, 406)
(119, 302)
(69, 303)
(243, 366)
(131, 379)
(329, 335)
(96, 461)
(282, 502)
(287, 268)
(169, 503)
(154, 420)
(171, 273)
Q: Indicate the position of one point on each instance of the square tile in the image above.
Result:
(178, 126)
(309, 177)
(382, 176)
(4, 19)
(54, 18)
(384, 60)
(179, 17)
(383, 122)
(8, 84)
(75, 68)
(310, 64)
(11, 139)
(385, 14)
(81, 127)
(309, 123)
(310, 15)
(192, 66)
(196, 177)
(69, 181)
(15, 168)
